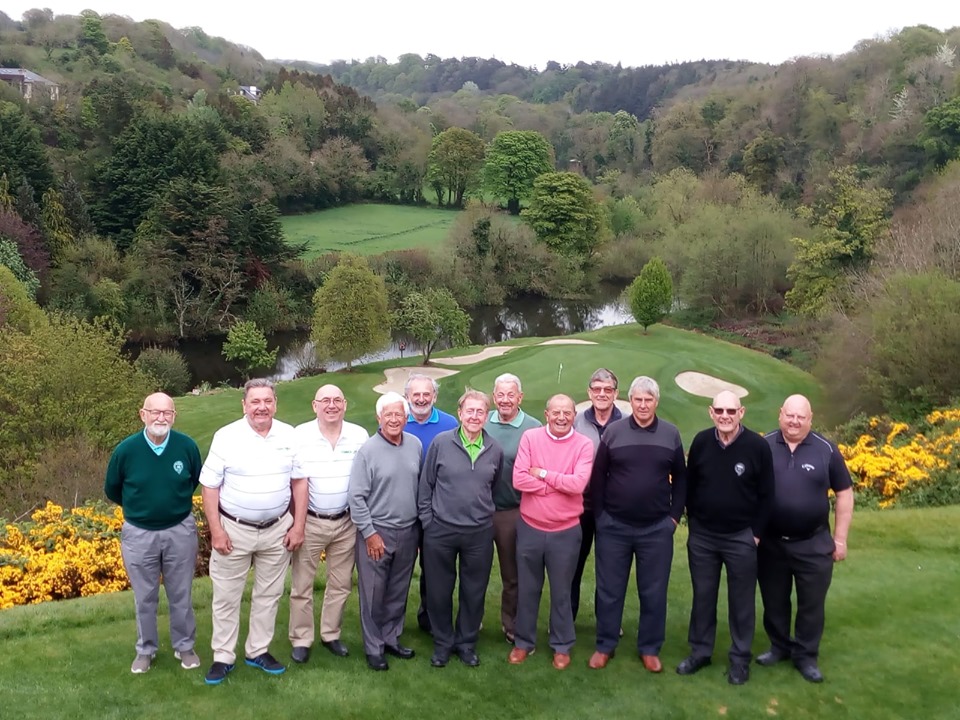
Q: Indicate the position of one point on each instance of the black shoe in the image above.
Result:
(377, 662)
(509, 636)
(692, 664)
(399, 651)
(300, 654)
(771, 657)
(468, 657)
(266, 662)
(810, 672)
(218, 673)
(336, 647)
(738, 674)
(439, 659)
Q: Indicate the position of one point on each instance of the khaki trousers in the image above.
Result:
(264, 550)
(339, 539)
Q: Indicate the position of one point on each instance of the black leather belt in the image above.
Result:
(262, 525)
(798, 538)
(335, 516)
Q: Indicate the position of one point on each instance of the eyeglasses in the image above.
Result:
(336, 402)
(393, 416)
(602, 389)
(725, 411)
(158, 413)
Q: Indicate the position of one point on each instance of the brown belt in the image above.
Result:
(262, 525)
(335, 516)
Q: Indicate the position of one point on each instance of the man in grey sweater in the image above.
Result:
(456, 511)
(383, 506)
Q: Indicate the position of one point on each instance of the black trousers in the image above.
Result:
(443, 546)
(423, 619)
(383, 586)
(707, 553)
(807, 564)
(618, 545)
(588, 528)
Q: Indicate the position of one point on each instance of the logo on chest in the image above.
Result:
(808, 467)
(739, 469)
(178, 467)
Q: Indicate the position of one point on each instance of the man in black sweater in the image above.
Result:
(638, 489)
(729, 498)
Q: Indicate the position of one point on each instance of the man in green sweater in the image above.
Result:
(152, 475)
(506, 425)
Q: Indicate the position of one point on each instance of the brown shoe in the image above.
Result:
(518, 655)
(652, 663)
(561, 661)
(599, 660)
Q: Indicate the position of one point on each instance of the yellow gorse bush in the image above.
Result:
(891, 460)
(61, 554)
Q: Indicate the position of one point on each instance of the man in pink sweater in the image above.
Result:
(551, 472)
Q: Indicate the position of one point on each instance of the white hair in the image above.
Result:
(389, 399)
(508, 378)
(644, 384)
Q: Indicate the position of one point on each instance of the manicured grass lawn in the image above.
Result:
(662, 354)
(889, 652)
(368, 229)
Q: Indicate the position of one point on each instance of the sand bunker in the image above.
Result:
(563, 341)
(475, 357)
(706, 385)
(397, 377)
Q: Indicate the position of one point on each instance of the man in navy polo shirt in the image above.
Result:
(797, 547)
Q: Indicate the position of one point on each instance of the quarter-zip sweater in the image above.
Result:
(455, 490)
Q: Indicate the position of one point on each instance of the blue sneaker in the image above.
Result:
(268, 663)
(217, 673)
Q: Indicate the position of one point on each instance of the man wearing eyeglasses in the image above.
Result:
(797, 548)
(152, 475)
(592, 422)
(507, 424)
(729, 497)
(326, 448)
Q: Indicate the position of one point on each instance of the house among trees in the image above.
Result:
(250, 92)
(29, 82)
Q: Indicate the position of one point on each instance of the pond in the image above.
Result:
(522, 317)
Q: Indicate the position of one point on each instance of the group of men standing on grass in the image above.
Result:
(452, 490)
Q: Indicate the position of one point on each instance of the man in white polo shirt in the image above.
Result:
(325, 451)
(247, 491)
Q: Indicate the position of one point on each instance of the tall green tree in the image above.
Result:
(350, 316)
(22, 153)
(456, 158)
(53, 220)
(514, 160)
(433, 317)
(651, 293)
(565, 215)
(246, 345)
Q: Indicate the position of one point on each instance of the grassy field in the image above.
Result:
(662, 354)
(889, 652)
(368, 229)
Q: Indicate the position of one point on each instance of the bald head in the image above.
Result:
(726, 413)
(157, 415)
(796, 419)
(329, 406)
(726, 398)
(560, 412)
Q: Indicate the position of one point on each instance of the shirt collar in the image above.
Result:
(652, 427)
(516, 422)
(388, 440)
(562, 437)
(591, 415)
(434, 418)
(478, 443)
(158, 449)
(716, 434)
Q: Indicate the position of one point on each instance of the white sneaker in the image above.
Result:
(188, 659)
(141, 664)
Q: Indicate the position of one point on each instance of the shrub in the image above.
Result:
(167, 369)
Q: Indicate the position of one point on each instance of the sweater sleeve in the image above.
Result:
(113, 485)
(428, 481)
(576, 482)
(357, 494)
(678, 476)
(522, 479)
(765, 490)
(195, 464)
(598, 476)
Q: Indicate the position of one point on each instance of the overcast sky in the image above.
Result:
(530, 33)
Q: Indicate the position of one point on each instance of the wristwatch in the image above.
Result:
(542, 474)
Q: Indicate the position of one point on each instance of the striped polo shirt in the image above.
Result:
(253, 472)
(327, 467)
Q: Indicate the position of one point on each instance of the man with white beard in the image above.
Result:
(152, 475)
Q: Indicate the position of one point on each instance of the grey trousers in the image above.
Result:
(171, 554)
(383, 586)
(557, 553)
